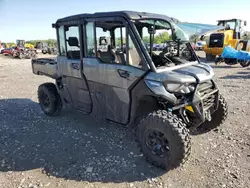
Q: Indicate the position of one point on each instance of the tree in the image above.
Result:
(50, 42)
(118, 41)
(161, 37)
(10, 44)
(146, 39)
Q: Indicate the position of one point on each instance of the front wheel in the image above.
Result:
(218, 117)
(164, 139)
(49, 99)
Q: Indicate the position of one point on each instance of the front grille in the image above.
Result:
(203, 90)
(216, 40)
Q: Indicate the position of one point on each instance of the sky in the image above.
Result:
(32, 19)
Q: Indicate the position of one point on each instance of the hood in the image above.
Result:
(198, 29)
(196, 73)
(201, 72)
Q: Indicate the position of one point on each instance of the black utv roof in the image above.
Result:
(126, 14)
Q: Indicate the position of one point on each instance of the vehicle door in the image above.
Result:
(69, 61)
(110, 81)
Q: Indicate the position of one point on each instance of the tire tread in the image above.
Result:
(177, 127)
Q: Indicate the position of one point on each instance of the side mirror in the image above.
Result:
(245, 23)
(73, 41)
(151, 30)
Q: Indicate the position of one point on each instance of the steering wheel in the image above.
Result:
(185, 52)
(168, 51)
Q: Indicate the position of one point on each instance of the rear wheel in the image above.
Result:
(218, 117)
(245, 64)
(164, 139)
(210, 57)
(230, 61)
(49, 99)
(44, 51)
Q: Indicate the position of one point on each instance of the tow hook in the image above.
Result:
(208, 115)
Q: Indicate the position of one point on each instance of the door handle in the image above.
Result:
(75, 66)
(123, 73)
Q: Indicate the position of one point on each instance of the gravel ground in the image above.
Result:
(73, 150)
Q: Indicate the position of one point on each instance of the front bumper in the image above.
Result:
(202, 104)
(205, 104)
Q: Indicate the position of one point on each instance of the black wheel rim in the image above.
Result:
(157, 143)
(45, 100)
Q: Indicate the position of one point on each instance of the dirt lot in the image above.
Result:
(72, 150)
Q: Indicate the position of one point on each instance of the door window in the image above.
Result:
(134, 57)
(73, 44)
(62, 41)
(90, 34)
(109, 39)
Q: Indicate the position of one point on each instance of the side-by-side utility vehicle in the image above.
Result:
(104, 68)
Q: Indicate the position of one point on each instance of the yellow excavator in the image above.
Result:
(232, 35)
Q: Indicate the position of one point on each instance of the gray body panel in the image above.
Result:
(190, 74)
(74, 83)
(45, 66)
(101, 90)
(110, 91)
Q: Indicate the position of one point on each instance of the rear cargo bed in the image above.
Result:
(45, 66)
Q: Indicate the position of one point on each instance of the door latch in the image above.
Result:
(123, 73)
(75, 66)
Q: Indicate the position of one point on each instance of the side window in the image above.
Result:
(90, 34)
(111, 42)
(62, 41)
(134, 57)
(103, 39)
(120, 38)
(73, 45)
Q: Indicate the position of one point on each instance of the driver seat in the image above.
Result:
(108, 56)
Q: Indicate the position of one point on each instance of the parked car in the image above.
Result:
(156, 47)
(8, 51)
(199, 44)
(1, 49)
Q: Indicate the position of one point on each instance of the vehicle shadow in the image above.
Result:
(71, 146)
(238, 75)
(204, 60)
(219, 66)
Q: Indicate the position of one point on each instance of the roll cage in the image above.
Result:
(126, 16)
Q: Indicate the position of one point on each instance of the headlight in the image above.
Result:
(159, 89)
(174, 87)
(180, 88)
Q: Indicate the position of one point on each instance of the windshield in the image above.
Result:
(228, 24)
(166, 43)
(197, 29)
